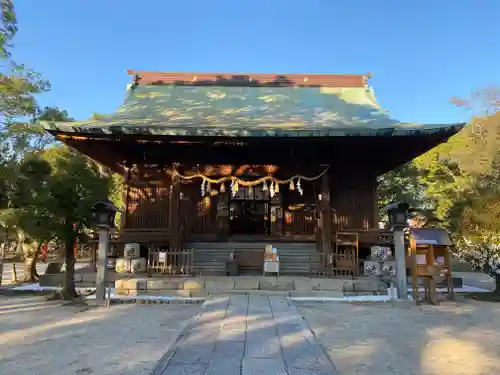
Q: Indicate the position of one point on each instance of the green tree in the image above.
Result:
(18, 84)
(462, 179)
(18, 88)
(22, 192)
(8, 27)
(400, 184)
(116, 194)
(457, 181)
(76, 185)
(30, 210)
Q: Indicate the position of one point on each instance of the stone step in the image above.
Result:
(290, 284)
(295, 258)
(208, 293)
(247, 245)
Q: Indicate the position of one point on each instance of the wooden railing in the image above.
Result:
(179, 263)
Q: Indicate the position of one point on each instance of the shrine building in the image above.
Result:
(224, 164)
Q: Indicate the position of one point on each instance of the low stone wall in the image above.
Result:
(283, 286)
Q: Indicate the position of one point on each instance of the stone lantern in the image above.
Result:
(398, 219)
(398, 214)
(104, 213)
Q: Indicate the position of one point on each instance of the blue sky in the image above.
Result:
(421, 53)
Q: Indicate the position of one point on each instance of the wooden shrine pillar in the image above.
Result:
(285, 201)
(375, 205)
(325, 216)
(222, 216)
(125, 196)
(174, 224)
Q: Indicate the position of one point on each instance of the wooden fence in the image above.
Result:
(174, 263)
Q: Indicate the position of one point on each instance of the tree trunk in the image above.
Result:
(2, 258)
(68, 291)
(30, 272)
(13, 274)
(497, 284)
(20, 243)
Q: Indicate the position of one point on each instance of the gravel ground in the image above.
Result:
(384, 339)
(45, 338)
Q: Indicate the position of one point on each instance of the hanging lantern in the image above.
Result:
(264, 186)
(271, 190)
(223, 187)
(292, 186)
(276, 188)
(250, 190)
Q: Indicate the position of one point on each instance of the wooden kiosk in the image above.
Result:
(429, 259)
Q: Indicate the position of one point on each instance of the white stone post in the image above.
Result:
(102, 265)
(400, 252)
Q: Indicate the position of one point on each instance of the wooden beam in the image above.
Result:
(249, 79)
(106, 156)
(343, 153)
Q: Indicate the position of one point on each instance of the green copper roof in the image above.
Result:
(249, 111)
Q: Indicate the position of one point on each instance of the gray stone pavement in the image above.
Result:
(476, 279)
(247, 335)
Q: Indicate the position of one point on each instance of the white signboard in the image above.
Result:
(271, 267)
(421, 259)
(162, 257)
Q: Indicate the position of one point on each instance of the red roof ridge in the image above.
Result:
(250, 79)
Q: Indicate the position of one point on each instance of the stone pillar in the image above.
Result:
(400, 253)
(102, 265)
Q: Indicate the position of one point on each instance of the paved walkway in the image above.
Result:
(247, 335)
(476, 279)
